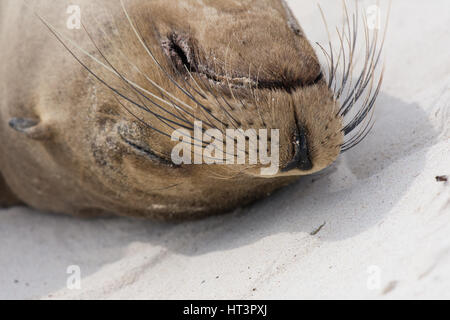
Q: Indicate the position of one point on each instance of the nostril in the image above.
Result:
(301, 159)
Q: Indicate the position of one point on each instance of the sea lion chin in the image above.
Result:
(87, 115)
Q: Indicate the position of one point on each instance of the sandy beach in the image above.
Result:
(375, 225)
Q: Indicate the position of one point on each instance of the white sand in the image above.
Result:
(383, 209)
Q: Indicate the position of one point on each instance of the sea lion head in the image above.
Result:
(161, 67)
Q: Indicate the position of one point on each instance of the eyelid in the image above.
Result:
(149, 153)
(319, 78)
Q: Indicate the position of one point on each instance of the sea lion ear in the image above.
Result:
(32, 128)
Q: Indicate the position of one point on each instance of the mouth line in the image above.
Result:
(246, 82)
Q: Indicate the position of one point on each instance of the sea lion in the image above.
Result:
(87, 114)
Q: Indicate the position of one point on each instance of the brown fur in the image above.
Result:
(75, 160)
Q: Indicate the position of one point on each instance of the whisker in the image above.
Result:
(136, 90)
(351, 42)
(327, 57)
(359, 118)
(150, 53)
(167, 135)
(363, 86)
(332, 73)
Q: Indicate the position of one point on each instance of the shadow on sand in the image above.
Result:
(47, 244)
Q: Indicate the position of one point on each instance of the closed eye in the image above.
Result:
(145, 151)
(318, 79)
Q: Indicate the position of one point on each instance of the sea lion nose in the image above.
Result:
(301, 159)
